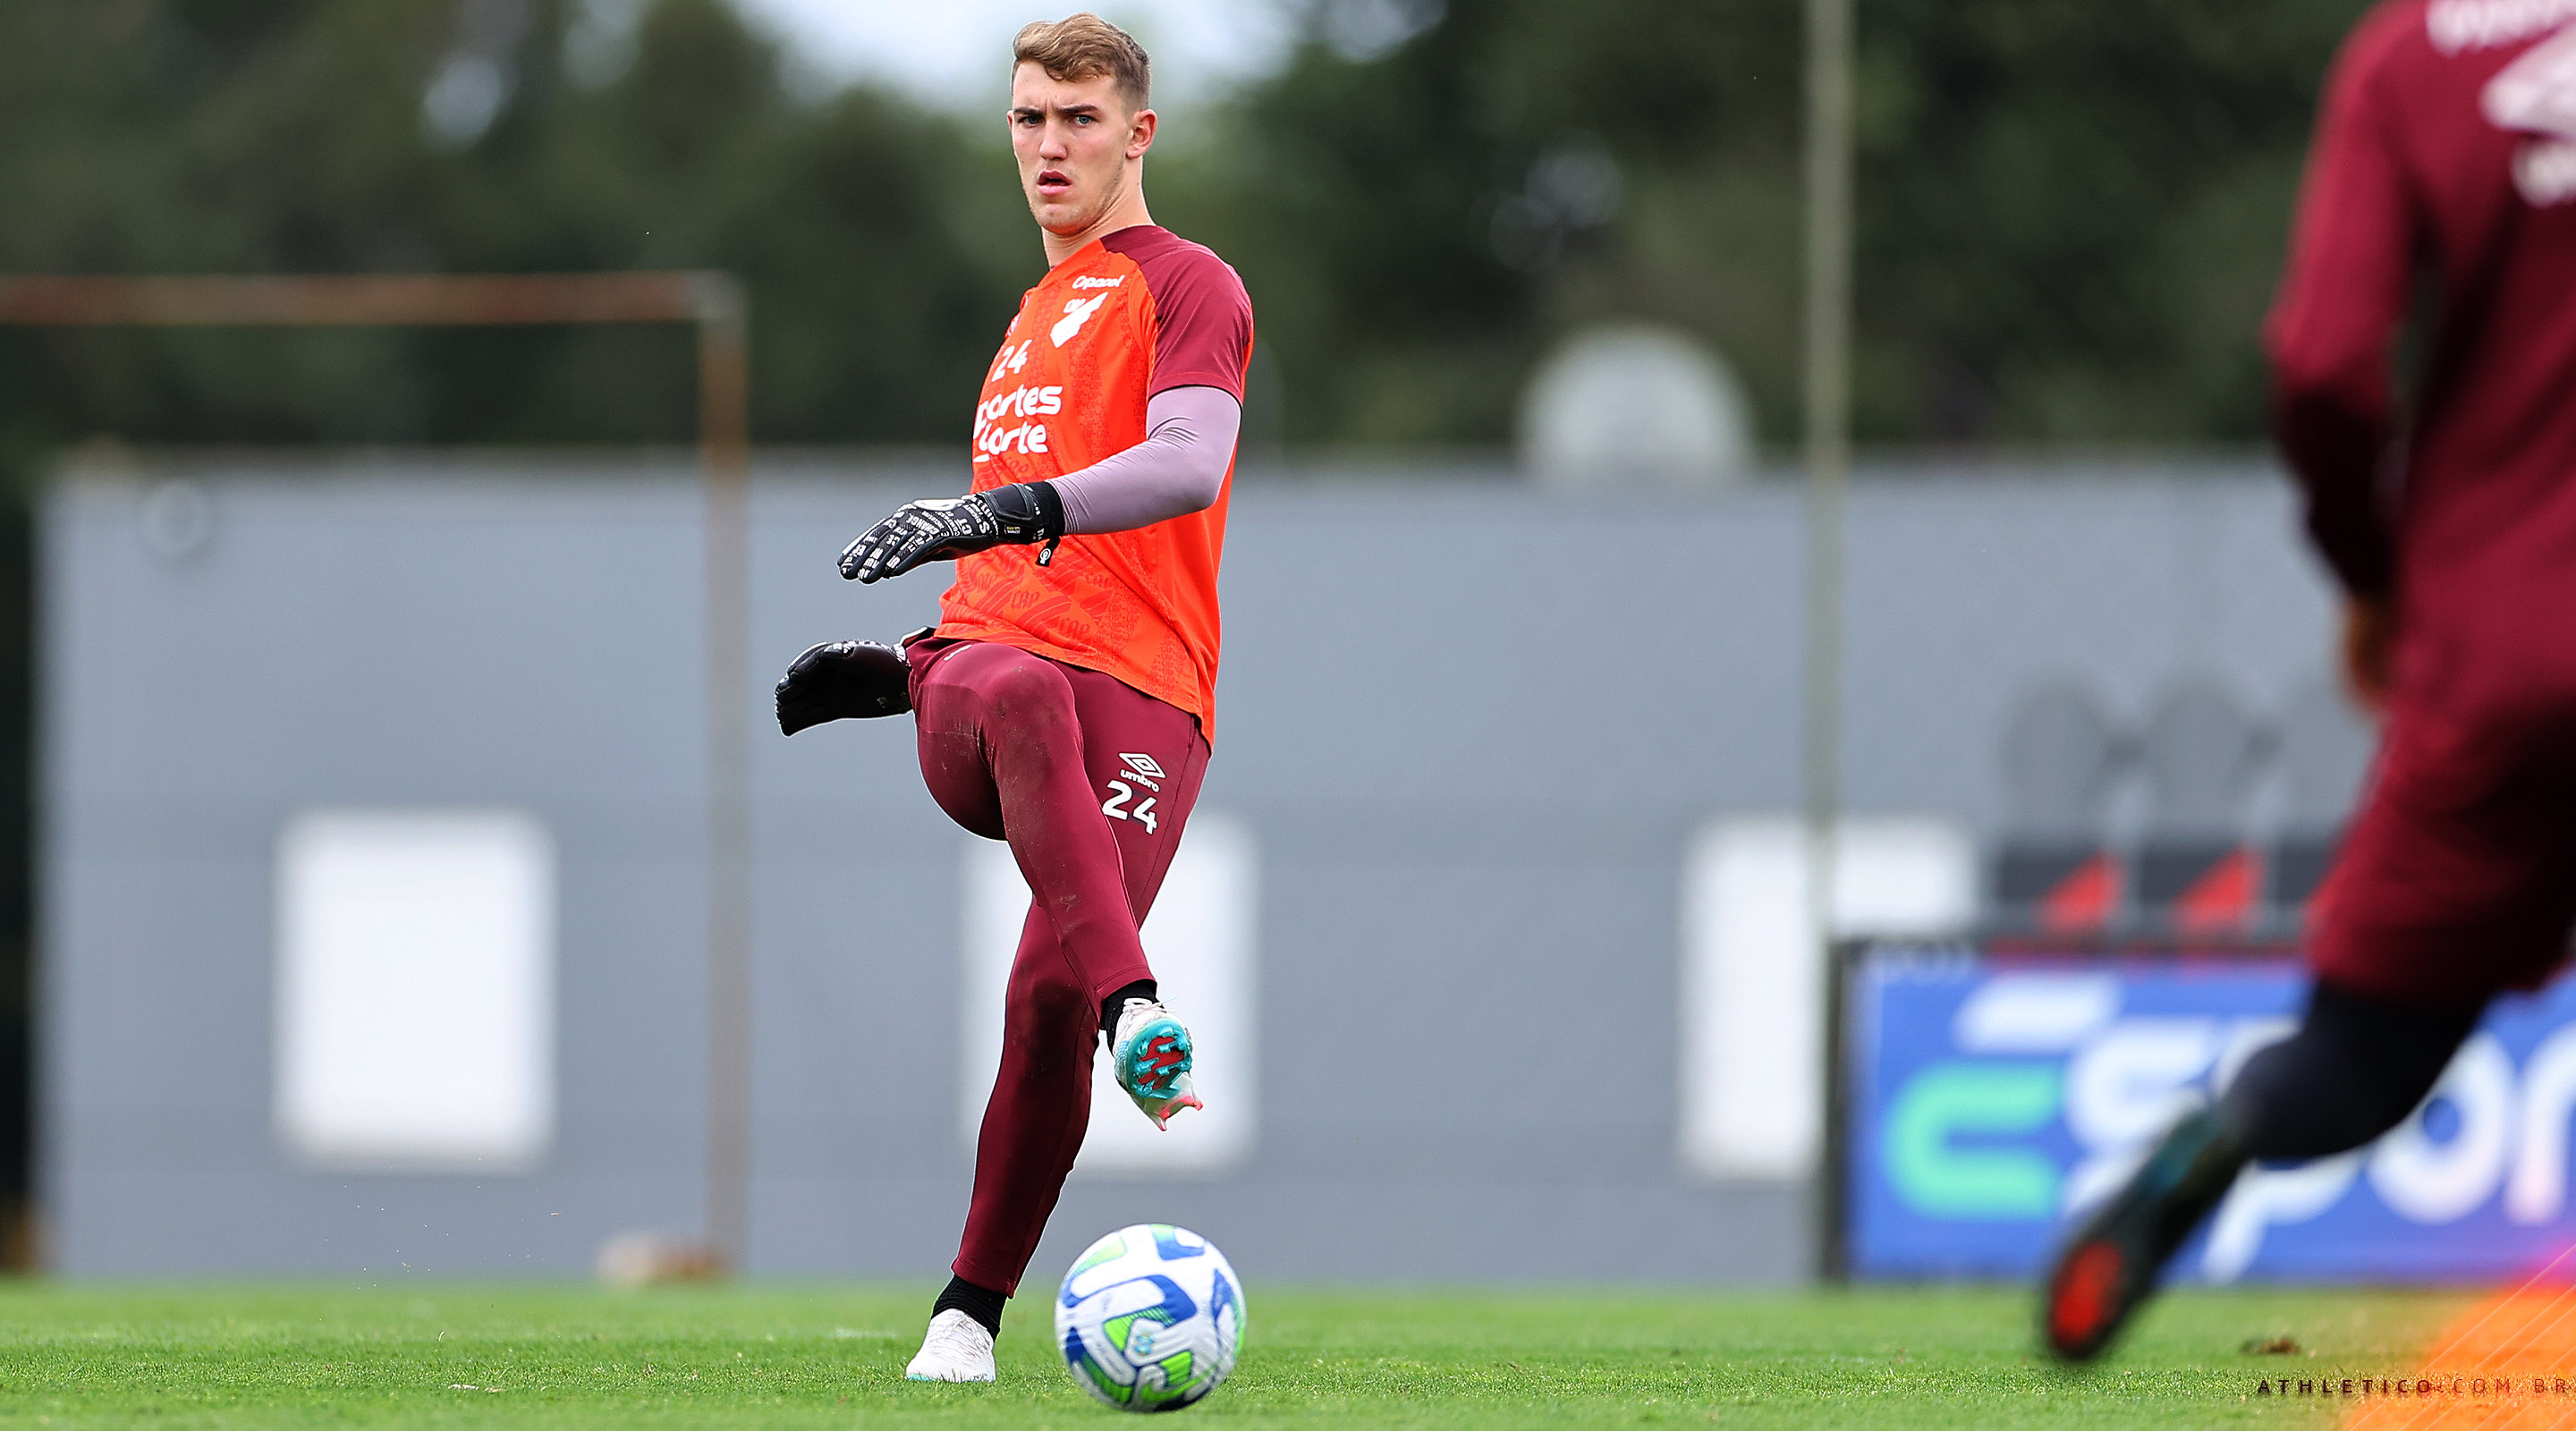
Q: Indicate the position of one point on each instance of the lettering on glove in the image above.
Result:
(946, 528)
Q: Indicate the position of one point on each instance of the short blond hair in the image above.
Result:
(1084, 46)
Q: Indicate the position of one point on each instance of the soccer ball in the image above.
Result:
(1150, 1318)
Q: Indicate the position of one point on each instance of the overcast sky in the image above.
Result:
(956, 52)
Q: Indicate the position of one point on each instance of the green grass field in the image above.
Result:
(432, 1353)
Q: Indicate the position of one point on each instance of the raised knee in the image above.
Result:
(1029, 691)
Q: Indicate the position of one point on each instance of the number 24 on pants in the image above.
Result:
(1142, 771)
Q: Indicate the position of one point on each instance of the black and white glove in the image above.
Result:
(946, 528)
(842, 679)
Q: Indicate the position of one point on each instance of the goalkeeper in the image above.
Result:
(1062, 702)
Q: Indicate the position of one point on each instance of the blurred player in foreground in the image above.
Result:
(1062, 702)
(2446, 152)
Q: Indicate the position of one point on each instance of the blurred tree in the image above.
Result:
(466, 135)
(1425, 194)
(2071, 216)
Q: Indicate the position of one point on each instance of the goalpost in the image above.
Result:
(714, 304)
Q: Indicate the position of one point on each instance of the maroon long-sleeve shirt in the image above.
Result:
(2446, 155)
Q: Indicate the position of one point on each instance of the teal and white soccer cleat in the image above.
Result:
(1152, 1058)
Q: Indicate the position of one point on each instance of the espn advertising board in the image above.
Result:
(1984, 1101)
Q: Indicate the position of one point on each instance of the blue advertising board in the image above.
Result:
(1990, 1101)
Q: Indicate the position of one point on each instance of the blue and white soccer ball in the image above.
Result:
(1150, 1318)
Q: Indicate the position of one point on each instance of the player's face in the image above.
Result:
(1077, 145)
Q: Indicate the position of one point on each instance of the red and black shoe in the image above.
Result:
(2109, 1268)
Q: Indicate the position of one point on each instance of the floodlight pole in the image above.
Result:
(724, 404)
(1828, 461)
(714, 303)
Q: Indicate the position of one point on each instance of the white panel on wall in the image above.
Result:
(415, 990)
(1752, 975)
(1201, 939)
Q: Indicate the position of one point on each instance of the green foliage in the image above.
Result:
(2071, 214)
(1396, 221)
(292, 135)
(415, 1351)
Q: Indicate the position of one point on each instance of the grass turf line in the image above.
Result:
(431, 1353)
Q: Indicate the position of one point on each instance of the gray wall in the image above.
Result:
(1471, 726)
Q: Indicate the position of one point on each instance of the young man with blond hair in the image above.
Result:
(1063, 702)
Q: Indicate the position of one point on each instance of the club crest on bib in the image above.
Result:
(1077, 311)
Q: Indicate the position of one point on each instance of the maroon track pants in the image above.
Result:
(1090, 781)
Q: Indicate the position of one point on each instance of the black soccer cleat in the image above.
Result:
(2109, 1268)
(843, 680)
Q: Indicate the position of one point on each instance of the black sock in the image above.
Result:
(1109, 1007)
(982, 1303)
(2356, 1067)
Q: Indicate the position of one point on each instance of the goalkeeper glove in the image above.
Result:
(839, 679)
(946, 528)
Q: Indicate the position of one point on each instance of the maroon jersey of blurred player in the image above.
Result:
(2444, 168)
